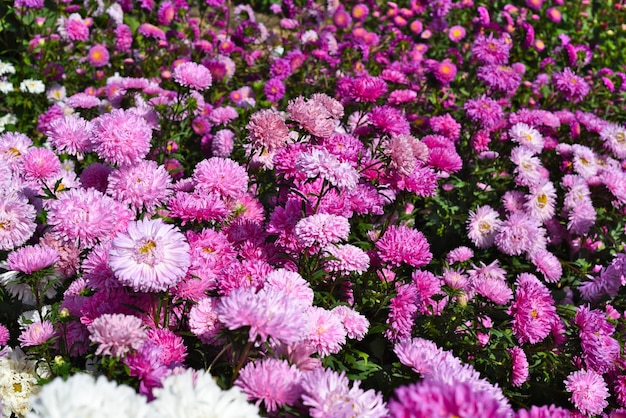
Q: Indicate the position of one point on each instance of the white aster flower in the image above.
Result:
(31, 85)
(527, 136)
(82, 395)
(6, 68)
(8, 119)
(195, 394)
(18, 381)
(6, 87)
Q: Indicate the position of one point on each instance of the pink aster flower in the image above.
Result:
(17, 222)
(82, 101)
(544, 411)
(484, 110)
(222, 176)
(548, 264)
(589, 391)
(389, 120)
(70, 134)
(533, 311)
(356, 325)
(614, 137)
(322, 229)
(98, 56)
(402, 312)
(143, 186)
(482, 226)
(291, 283)
(313, 116)
(267, 129)
(13, 146)
(150, 256)
(197, 207)
(490, 50)
(270, 313)
(32, 258)
(195, 76)
(527, 136)
(520, 234)
(116, 334)
(73, 28)
(319, 162)
(86, 217)
(40, 164)
(456, 33)
(270, 381)
(346, 259)
(203, 321)
(444, 71)
(326, 334)
(368, 88)
(446, 126)
(401, 244)
(36, 333)
(121, 137)
(151, 31)
(519, 371)
(4, 335)
(459, 255)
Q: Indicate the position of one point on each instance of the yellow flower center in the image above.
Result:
(147, 247)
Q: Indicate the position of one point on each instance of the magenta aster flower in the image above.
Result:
(270, 381)
(196, 207)
(322, 229)
(484, 110)
(70, 134)
(519, 368)
(401, 244)
(389, 120)
(589, 391)
(490, 50)
(402, 312)
(121, 137)
(533, 311)
(270, 313)
(40, 164)
(36, 333)
(195, 76)
(98, 56)
(501, 78)
(73, 28)
(444, 71)
(86, 217)
(368, 88)
(17, 222)
(150, 256)
(267, 129)
(116, 334)
(222, 176)
(143, 186)
(32, 258)
(150, 31)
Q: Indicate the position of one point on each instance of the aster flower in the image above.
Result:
(400, 244)
(356, 325)
(589, 391)
(270, 381)
(70, 134)
(321, 229)
(36, 333)
(13, 146)
(150, 256)
(519, 368)
(519, 234)
(40, 164)
(570, 85)
(548, 264)
(533, 311)
(346, 259)
(614, 137)
(326, 333)
(484, 110)
(527, 136)
(143, 186)
(267, 129)
(483, 225)
(73, 28)
(116, 334)
(368, 88)
(193, 75)
(312, 116)
(32, 258)
(86, 217)
(121, 137)
(490, 50)
(194, 393)
(195, 207)
(98, 56)
(402, 312)
(269, 313)
(389, 120)
(327, 393)
(82, 395)
(319, 162)
(501, 78)
(222, 176)
(203, 320)
(17, 222)
(459, 254)
(444, 71)
(528, 170)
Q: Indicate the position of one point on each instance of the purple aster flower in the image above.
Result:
(545, 411)
(533, 311)
(501, 78)
(150, 256)
(520, 234)
(589, 391)
(572, 86)
(322, 229)
(32, 258)
(121, 137)
(490, 50)
(401, 244)
(272, 382)
(274, 89)
(484, 110)
(389, 120)
(116, 334)
(197, 207)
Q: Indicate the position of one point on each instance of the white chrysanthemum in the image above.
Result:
(195, 394)
(8, 119)
(18, 381)
(585, 161)
(6, 87)
(527, 136)
(529, 169)
(32, 86)
(82, 395)
(6, 68)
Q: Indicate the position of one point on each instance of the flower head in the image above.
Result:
(193, 75)
(589, 391)
(116, 334)
(121, 137)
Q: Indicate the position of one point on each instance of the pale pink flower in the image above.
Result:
(36, 333)
(117, 334)
(195, 76)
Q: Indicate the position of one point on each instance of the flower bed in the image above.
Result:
(375, 209)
